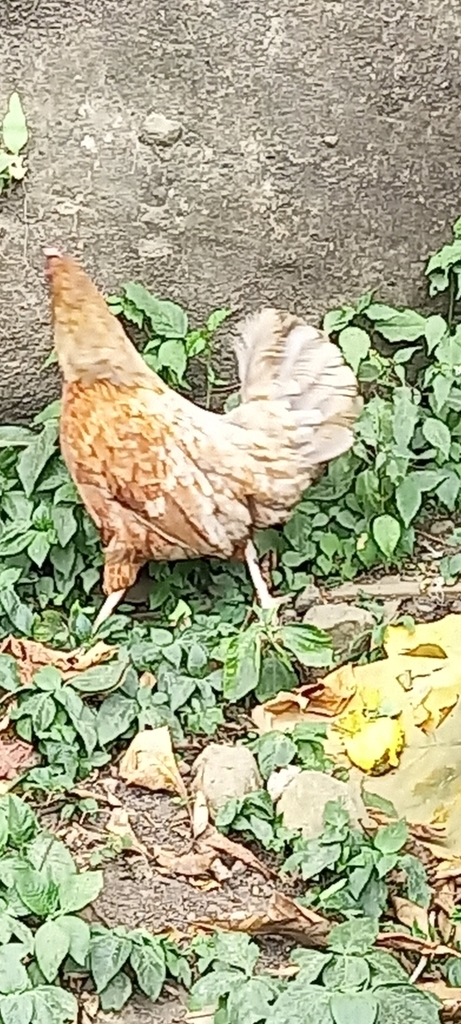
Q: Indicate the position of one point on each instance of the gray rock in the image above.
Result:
(344, 622)
(302, 803)
(309, 596)
(223, 771)
(159, 130)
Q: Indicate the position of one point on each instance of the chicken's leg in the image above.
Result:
(265, 598)
(108, 607)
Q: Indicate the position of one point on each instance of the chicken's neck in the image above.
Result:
(87, 357)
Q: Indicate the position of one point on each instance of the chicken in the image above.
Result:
(164, 479)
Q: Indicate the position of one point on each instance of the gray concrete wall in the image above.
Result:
(320, 154)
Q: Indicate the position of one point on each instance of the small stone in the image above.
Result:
(441, 526)
(222, 772)
(302, 804)
(344, 622)
(158, 130)
(331, 140)
(309, 596)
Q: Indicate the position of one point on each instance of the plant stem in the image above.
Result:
(451, 298)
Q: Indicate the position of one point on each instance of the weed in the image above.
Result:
(351, 981)
(14, 138)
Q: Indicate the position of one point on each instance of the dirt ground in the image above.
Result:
(137, 894)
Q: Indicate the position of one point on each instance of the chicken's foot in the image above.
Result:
(265, 598)
(108, 607)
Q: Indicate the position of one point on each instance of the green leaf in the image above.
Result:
(108, 954)
(22, 822)
(408, 497)
(311, 646)
(346, 972)
(405, 416)
(64, 523)
(167, 318)
(51, 947)
(337, 319)
(242, 665)
(34, 458)
(216, 318)
(79, 935)
(172, 355)
(438, 435)
(435, 329)
(37, 893)
(301, 1004)
(275, 676)
(15, 437)
(391, 838)
(18, 613)
(14, 126)
(275, 750)
(251, 1002)
(38, 549)
(115, 716)
(13, 974)
(10, 679)
(355, 345)
(396, 324)
(116, 993)
(386, 532)
(77, 891)
(399, 1004)
(418, 888)
(100, 678)
(148, 963)
(208, 989)
(354, 1008)
(53, 1005)
(51, 856)
(17, 1009)
(385, 968)
(353, 936)
(311, 963)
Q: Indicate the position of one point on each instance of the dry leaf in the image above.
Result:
(32, 655)
(281, 916)
(200, 817)
(148, 680)
(205, 1016)
(16, 757)
(190, 865)
(308, 703)
(217, 841)
(448, 994)
(410, 914)
(150, 762)
(119, 825)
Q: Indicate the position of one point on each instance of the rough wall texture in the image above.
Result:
(319, 154)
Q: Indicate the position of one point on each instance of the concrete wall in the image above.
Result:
(320, 154)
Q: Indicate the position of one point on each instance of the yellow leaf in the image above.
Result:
(376, 746)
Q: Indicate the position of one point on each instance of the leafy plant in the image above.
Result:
(14, 138)
(44, 941)
(303, 746)
(352, 981)
(169, 344)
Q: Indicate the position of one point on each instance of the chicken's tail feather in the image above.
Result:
(281, 359)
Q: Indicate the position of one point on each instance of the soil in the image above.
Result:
(137, 894)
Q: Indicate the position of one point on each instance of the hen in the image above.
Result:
(164, 479)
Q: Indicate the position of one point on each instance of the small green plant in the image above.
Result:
(353, 981)
(14, 137)
(169, 343)
(346, 868)
(44, 941)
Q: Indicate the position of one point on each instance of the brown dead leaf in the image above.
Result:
(190, 865)
(281, 916)
(150, 762)
(200, 816)
(411, 914)
(32, 655)
(119, 825)
(237, 851)
(205, 1016)
(448, 994)
(308, 703)
(16, 757)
